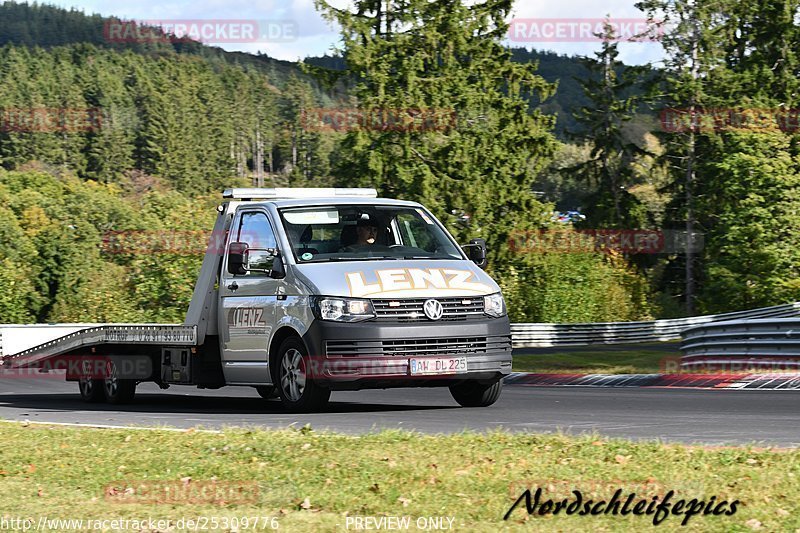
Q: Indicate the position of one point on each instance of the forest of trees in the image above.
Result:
(100, 139)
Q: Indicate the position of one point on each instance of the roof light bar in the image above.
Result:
(288, 192)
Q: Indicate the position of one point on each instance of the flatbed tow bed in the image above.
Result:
(87, 341)
(288, 303)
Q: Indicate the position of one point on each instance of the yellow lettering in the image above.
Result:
(359, 286)
(423, 279)
(394, 280)
(460, 280)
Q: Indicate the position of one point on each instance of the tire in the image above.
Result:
(91, 390)
(117, 391)
(297, 390)
(476, 393)
(268, 392)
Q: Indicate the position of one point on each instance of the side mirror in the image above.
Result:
(261, 260)
(278, 269)
(243, 259)
(477, 252)
(236, 258)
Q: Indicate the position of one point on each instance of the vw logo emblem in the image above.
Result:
(433, 309)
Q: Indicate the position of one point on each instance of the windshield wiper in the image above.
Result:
(341, 259)
(430, 257)
(326, 260)
(380, 258)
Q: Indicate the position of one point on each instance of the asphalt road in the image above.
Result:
(680, 415)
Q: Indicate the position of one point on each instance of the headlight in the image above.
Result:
(493, 305)
(343, 309)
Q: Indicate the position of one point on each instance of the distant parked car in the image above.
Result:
(569, 217)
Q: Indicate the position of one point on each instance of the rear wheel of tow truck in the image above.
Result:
(476, 393)
(116, 389)
(298, 391)
(91, 389)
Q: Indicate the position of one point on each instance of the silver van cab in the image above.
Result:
(348, 291)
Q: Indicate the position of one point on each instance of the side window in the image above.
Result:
(255, 230)
(414, 233)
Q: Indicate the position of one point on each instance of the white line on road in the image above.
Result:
(107, 426)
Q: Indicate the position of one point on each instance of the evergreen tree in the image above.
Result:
(610, 169)
(691, 40)
(304, 151)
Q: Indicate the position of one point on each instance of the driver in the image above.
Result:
(366, 231)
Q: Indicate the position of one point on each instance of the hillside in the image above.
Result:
(48, 26)
(563, 70)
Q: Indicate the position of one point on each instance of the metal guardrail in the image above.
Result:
(526, 335)
(775, 342)
(668, 330)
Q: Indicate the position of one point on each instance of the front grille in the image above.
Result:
(410, 310)
(418, 347)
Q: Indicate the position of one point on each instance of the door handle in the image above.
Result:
(233, 286)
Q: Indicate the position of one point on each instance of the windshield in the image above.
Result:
(364, 233)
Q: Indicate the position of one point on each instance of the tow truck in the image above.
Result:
(303, 292)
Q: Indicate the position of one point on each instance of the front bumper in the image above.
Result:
(376, 354)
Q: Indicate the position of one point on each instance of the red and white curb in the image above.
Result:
(783, 381)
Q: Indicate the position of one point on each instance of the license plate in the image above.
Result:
(439, 365)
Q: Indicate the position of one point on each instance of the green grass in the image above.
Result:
(310, 481)
(594, 362)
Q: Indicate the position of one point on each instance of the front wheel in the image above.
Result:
(476, 394)
(298, 391)
(117, 390)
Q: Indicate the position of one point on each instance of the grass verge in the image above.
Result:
(594, 362)
(312, 481)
